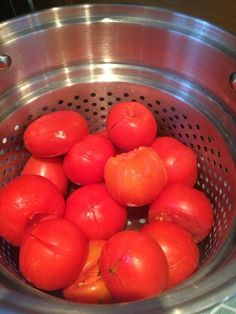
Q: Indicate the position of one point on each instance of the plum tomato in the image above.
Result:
(50, 168)
(95, 212)
(186, 206)
(180, 160)
(52, 254)
(133, 266)
(53, 134)
(90, 287)
(85, 161)
(135, 178)
(21, 199)
(179, 247)
(130, 125)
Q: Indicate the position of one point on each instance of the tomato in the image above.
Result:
(135, 178)
(187, 206)
(102, 133)
(85, 161)
(50, 168)
(90, 287)
(21, 199)
(180, 160)
(52, 254)
(130, 125)
(53, 134)
(95, 212)
(133, 266)
(179, 247)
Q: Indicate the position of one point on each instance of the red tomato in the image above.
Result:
(186, 206)
(102, 133)
(95, 212)
(23, 198)
(84, 163)
(50, 168)
(179, 247)
(90, 287)
(133, 266)
(135, 178)
(53, 254)
(130, 125)
(180, 161)
(53, 134)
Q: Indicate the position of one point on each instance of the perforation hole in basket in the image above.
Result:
(9, 257)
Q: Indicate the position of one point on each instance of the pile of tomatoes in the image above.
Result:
(68, 209)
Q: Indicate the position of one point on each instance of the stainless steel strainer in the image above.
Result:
(89, 57)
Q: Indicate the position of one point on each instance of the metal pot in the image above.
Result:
(89, 57)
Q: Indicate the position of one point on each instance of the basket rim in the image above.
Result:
(146, 14)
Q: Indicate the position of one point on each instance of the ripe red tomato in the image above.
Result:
(130, 125)
(90, 287)
(85, 161)
(52, 254)
(135, 178)
(50, 168)
(180, 160)
(133, 266)
(53, 134)
(23, 198)
(95, 212)
(179, 247)
(102, 133)
(186, 206)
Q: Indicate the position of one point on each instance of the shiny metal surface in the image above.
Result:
(87, 58)
(5, 62)
(233, 80)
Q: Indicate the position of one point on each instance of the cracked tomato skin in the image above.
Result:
(90, 287)
(180, 160)
(52, 254)
(85, 161)
(179, 247)
(53, 134)
(186, 206)
(50, 168)
(133, 266)
(135, 178)
(130, 125)
(22, 199)
(95, 212)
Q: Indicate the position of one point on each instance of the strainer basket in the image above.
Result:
(87, 58)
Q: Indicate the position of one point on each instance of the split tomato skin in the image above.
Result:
(50, 168)
(85, 161)
(95, 212)
(180, 160)
(186, 206)
(133, 266)
(130, 125)
(53, 134)
(52, 254)
(135, 178)
(24, 197)
(90, 287)
(180, 249)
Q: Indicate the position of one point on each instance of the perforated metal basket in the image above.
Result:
(87, 58)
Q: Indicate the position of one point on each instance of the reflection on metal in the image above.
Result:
(5, 62)
(232, 80)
